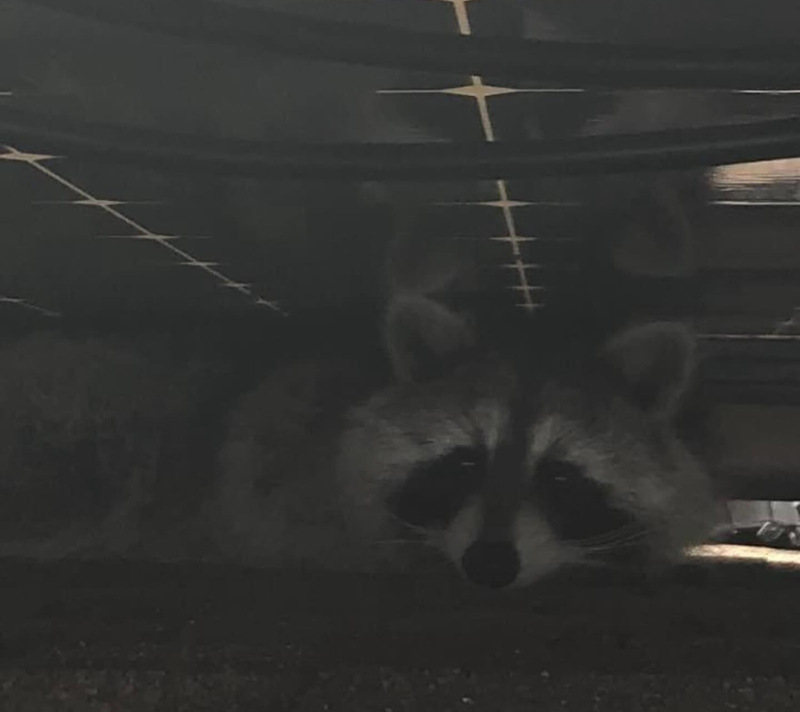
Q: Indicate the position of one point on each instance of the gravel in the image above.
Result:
(119, 637)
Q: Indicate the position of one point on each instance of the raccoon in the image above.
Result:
(507, 446)
(278, 501)
(514, 464)
(88, 427)
(510, 447)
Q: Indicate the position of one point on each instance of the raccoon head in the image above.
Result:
(513, 462)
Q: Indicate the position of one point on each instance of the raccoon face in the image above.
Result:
(514, 465)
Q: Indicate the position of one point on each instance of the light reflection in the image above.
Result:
(780, 558)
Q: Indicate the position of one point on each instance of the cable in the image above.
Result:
(581, 64)
(652, 151)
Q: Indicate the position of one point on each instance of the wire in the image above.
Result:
(652, 151)
(584, 64)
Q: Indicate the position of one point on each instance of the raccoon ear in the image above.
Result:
(657, 360)
(424, 338)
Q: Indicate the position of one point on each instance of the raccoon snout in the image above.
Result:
(492, 564)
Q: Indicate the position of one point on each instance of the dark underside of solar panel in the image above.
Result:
(136, 199)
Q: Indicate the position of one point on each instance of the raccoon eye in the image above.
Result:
(560, 473)
(435, 492)
(576, 506)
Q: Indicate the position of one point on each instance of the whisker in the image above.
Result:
(633, 526)
(406, 525)
(621, 537)
(608, 536)
(620, 543)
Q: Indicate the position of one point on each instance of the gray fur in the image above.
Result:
(631, 451)
(313, 454)
(339, 489)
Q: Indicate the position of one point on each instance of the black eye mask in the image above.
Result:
(576, 507)
(435, 491)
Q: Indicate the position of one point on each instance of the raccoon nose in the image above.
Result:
(494, 564)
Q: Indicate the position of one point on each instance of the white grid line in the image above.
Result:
(710, 336)
(97, 202)
(511, 203)
(480, 92)
(25, 304)
(722, 202)
(522, 265)
(581, 90)
(518, 238)
(757, 203)
(522, 238)
(34, 160)
(769, 92)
